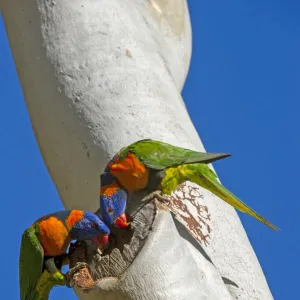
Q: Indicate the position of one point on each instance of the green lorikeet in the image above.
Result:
(44, 245)
(152, 165)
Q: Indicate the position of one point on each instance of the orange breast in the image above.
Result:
(54, 237)
(130, 172)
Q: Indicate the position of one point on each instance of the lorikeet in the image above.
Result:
(44, 244)
(153, 165)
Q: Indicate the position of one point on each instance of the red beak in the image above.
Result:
(121, 221)
(101, 240)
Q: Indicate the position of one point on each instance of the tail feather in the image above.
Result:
(207, 179)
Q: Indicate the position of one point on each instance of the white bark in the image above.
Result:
(98, 75)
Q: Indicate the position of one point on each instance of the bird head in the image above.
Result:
(90, 227)
(112, 207)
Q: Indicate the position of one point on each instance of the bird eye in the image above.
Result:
(110, 210)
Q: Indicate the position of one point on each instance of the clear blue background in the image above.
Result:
(243, 95)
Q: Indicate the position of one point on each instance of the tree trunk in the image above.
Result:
(98, 75)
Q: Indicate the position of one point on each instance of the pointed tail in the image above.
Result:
(206, 178)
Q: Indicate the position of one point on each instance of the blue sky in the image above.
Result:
(244, 75)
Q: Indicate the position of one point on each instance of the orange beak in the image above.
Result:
(101, 240)
(121, 221)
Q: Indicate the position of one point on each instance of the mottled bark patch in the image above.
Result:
(186, 206)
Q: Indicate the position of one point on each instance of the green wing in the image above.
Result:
(30, 263)
(158, 155)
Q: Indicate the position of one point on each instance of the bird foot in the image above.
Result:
(159, 196)
(69, 275)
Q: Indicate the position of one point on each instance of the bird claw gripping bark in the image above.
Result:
(76, 269)
(159, 196)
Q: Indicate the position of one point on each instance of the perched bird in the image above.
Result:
(153, 165)
(44, 245)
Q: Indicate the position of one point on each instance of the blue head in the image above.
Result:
(88, 226)
(112, 206)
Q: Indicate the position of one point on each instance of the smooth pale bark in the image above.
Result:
(98, 75)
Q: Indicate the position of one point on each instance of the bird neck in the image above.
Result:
(74, 217)
(107, 179)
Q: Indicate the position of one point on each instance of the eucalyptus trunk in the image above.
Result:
(96, 76)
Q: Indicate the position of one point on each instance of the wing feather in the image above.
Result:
(158, 155)
(30, 263)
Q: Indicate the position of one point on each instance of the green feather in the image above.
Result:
(159, 156)
(45, 284)
(30, 263)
